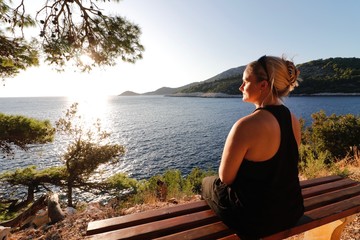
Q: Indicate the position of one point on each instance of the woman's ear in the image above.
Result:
(264, 84)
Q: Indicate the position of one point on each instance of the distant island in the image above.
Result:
(323, 77)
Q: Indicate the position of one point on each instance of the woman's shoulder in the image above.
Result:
(254, 120)
(258, 116)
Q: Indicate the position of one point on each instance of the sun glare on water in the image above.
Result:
(91, 108)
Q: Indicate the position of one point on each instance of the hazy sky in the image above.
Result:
(192, 40)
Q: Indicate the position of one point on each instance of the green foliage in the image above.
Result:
(83, 157)
(21, 176)
(317, 164)
(227, 86)
(313, 164)
(16, 55)
(328, 140)
(177, 185)
(333, 75)
(31, 177)
(68, 31)
(174, 182)
(333, 134)
(121, 181)
(21, 131)
(194, 179)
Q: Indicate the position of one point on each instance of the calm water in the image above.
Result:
(159, 133)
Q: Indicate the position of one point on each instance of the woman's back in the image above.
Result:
(269, 191)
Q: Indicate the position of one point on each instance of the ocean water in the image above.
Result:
(159, 133)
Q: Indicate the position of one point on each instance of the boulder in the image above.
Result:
(41, 218)
(4, 232)
(54, 210)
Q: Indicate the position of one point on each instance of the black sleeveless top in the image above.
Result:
(269, 193)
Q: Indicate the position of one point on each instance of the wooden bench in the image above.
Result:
(330, 203)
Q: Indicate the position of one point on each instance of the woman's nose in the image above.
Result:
(241, 88)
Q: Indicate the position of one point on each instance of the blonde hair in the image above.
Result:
(282, 74)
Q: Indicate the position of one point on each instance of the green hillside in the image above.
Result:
(228, 86)
(333, 75)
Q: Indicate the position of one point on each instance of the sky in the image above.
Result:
(189, 41)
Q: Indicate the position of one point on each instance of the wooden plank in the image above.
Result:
(160, 228)
(327, 187)
(207, 232)
(332, 197)
(319, 181)
(321, 216)
(231, 237)
(110, 224)
(326, 199)
(114, 223)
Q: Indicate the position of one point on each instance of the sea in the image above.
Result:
(159, 133)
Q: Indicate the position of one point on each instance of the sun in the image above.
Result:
(86, 59)
(92, 108)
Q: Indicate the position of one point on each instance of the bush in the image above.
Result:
(313, 164)
(176, 185)
(334, 134)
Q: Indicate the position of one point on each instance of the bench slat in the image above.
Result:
(160, 228)
(327, 187)
(211, 231)
(326, 199)
(231, 237)
(331, 197)
(318, 181)
(321, 216)
(144, 217)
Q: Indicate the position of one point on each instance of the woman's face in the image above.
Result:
(250, 88)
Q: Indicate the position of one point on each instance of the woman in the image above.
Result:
(258, 191)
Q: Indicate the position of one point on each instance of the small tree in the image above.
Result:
(86, 151)
(31, 178)
(334, 134)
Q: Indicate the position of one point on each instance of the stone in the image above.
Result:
(4, 232)
(41, 218)
(54, 210)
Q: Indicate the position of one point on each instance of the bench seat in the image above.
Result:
(326, 200)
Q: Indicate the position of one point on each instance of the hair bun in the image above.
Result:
(293, 74)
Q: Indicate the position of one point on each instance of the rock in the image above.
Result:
(70, 211)
(54, 211)
(129, 210)
(4, 232)
(173, 200)
(41, 218)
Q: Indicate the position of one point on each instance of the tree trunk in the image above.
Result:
(69, 193)
(30, 196)
(29, 199)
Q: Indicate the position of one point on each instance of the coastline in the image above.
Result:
(203, 95)
(224, 95)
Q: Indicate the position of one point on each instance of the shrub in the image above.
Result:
(313, 164)
(176, 185)
(334, 134)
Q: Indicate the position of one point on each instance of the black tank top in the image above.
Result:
(269, 192)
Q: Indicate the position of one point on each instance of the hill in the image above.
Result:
(129, 93)
(333, 75)
(323, 76)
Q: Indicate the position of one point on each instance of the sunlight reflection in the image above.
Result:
(92, 108)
